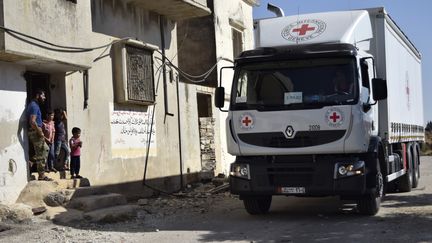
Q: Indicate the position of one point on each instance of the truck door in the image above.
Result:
(367, 72)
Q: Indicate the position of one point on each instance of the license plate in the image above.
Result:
(292, 190)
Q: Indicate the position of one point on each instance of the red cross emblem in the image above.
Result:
(246, 121)
(334, 117)
(303, 29)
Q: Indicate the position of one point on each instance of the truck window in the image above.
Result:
(365, 74)
(296, 82)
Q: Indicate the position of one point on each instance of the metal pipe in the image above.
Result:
(165, 88)
(86, 88)
(179, 133)
(276, 10)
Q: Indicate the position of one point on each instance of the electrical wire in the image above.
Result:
(60, 48)
(71, 49)
(201, 78)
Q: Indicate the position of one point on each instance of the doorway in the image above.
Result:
(206, 128)
(35, 81)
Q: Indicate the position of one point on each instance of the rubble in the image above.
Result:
(16, 213)
(55, 199)
(198, 198)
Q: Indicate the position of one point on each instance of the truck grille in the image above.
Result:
(302, 138)
(290, 176)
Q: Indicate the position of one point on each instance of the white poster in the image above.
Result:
(130, 133)
(293, 97)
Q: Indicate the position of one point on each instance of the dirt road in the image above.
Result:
(404, 217)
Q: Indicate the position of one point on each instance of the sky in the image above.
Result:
(414, 17)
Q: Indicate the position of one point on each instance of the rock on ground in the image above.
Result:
(35, 191)
(16, 213)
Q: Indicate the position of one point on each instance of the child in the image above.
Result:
(49, 131)
(60, 139)
(75, 145)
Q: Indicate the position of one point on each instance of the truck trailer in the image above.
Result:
(327, 104)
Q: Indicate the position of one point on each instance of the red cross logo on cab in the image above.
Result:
(334, 117)
(246, 121)
(303, 30)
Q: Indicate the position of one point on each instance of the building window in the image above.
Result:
(204, 105)
(140, 82)
(237, 40)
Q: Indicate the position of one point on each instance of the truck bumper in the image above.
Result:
(318, 177)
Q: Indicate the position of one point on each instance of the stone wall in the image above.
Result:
(207, 143)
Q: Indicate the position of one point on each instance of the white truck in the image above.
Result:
(328, 104)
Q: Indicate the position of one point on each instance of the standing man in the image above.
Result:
(36, 135)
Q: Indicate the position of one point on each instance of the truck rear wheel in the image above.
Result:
(369, 204)
(257, 205)
(405, 183)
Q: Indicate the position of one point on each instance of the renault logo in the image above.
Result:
(289, 131)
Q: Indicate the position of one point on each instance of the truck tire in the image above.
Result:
(416, 167)
(257, 205)
(405, 183)
(369, 204)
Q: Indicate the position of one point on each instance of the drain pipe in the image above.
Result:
(165, 88)
(179, 133)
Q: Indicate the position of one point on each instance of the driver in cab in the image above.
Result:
(341, 84)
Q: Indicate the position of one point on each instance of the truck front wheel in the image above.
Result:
(369, 204)
(257, 205)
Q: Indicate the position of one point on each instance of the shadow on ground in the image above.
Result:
(404, 217)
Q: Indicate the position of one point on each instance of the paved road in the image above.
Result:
(404, 217)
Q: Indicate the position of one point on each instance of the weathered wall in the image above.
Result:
(240, 14)
(112, 18)
(61, 22)
(13, 165)
(207, 143)
(210, 39)
(189, 128)
(198, 35)
(106, 21)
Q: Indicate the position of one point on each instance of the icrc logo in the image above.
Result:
(303, 30)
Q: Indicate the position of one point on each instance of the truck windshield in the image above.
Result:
(295, 84)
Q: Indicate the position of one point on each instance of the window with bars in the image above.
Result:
(140, 82)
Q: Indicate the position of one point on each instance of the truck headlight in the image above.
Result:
(349, 169)
(240, 170)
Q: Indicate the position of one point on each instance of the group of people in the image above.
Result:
(48, 138)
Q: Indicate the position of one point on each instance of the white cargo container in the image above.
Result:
(327, 104)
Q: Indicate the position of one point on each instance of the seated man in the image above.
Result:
(341, 84)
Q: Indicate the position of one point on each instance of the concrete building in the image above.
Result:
(137, 121)
(217, 39)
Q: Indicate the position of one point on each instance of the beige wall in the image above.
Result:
(95, 23)
(13, 165)
(98, 162)
(61, 22)
(240, 14)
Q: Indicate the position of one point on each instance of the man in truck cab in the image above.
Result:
(342, 85)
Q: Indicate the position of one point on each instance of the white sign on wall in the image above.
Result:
(130, 133)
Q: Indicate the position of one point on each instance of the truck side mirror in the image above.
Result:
(219, 98)
(379, 87)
